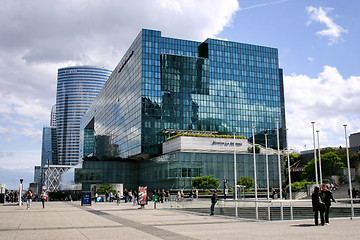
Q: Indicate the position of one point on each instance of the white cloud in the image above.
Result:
(310, 59)
(333, 31)
(38, 37)
(329, 100)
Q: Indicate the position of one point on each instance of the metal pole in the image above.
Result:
(349, 173)
(255, 176)
(279, 167)
(267, 175)
(320, 169)
(316, 171)
(20, 192)
(289, 173)
(235, 176)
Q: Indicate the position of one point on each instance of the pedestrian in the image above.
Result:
(106, 195)
(191, 194)
(11, 196)
(96, 197)
(213, 202)
(318, 206)
(43, 198)
(354, 192)
(118, 197)
(130, 196)
(196, 194)
(135, 197)
(28, 199)
(126, 195)
(162, 195)
(111, 196)
(326, 197)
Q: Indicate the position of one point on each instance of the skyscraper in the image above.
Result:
(49, 147)
(164, 84)
(76, 89)
(53, 116)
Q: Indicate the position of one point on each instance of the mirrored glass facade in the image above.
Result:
(166, 83)
(49, 146)
(77, 87)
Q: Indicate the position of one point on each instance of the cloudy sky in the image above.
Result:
(318, 44)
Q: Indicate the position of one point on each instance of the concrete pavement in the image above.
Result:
(69, 220)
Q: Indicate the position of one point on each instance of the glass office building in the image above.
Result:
(77, 87)
(49, 147)
(164, 86)
(49, 152)
(165, 83)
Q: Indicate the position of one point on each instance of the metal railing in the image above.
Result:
(266, 210)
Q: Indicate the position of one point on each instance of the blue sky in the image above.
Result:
(318, 44)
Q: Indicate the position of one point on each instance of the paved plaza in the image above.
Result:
(69, 220)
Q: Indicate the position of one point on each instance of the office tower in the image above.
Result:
(53, 116)
(49, 153)
(164, 86)
(76, 89)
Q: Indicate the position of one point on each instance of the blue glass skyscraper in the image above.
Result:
(77, 87)
(164, 84)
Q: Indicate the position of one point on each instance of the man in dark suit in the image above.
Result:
(213, 201)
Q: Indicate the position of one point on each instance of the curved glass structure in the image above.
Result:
(77, 87)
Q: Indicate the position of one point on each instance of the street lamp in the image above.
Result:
(255, 176)
(20, 193)
(320, 170)
(267, 173)
(235, 180)
(316, 171)
(279, 167)
(289, 173)
(349, 175)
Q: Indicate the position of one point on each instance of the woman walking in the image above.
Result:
(28, 199)
(43, 198)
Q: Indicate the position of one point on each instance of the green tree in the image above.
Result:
(341, 152)
(205, 182)
(331, 164)
(257, 149)
(297, 186)
(309, 170)
(246, 181)
(294, 159)
(103, 188)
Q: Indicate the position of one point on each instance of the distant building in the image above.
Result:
(354, 140)
(49, 153)
(77, 87)
(53, 116)
(37, 174)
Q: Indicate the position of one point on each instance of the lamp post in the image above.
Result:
(349, 174)
(235, 180)
(320, 170)
(289, 174)
(316, 171)
(279, 167)
(267, 174)
(255, 176)
(20, 192)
